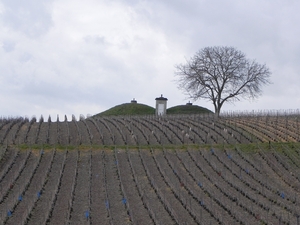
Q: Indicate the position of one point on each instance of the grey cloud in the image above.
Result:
(25, 57)
(95, 39)
(8, 45)
(78, 68)
(32, 17)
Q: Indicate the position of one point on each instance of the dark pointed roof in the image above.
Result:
(161, 98)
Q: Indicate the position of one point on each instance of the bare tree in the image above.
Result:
(221, 74)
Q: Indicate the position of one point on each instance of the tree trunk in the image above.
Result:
(218, 109)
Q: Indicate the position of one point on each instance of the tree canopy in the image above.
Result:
(222, 74)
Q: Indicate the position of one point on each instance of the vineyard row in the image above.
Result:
(151, 130)
(150, 186)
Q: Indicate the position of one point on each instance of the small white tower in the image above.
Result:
(161, 106)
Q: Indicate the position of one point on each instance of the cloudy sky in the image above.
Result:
(64, 57)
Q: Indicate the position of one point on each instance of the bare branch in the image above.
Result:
(221, 74)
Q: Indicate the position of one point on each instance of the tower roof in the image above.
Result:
(161, 98)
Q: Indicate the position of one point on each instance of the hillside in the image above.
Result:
(176, 169)
(187, 109)
(151, 130)
(128, 109)
(254, 184)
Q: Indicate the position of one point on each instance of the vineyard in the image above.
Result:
(239, 168)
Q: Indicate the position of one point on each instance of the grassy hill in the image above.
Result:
(187, 109)
(128, 109)
(142, 109)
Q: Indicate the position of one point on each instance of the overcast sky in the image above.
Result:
(64, 57)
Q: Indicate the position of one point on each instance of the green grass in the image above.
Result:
(128, 109)
(245, 148)
(187, 109)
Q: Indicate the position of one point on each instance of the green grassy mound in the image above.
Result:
(128, 109)
(187, 109)
(142, 109)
